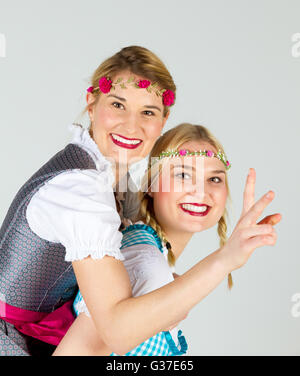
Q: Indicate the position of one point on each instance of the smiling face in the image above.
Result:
(197, 194)
(126, 122)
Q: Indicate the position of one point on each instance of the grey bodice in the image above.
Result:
(33, 272)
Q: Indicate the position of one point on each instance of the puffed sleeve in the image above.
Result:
(77, 209)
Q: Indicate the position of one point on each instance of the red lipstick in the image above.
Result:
(194, 213)
(124, 145)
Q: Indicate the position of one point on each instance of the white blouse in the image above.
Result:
(77, 208)
(148, 270)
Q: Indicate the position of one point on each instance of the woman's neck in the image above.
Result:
(119, 170)
(178, 241)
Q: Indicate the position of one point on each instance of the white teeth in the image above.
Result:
(194, 208)
(124, 141)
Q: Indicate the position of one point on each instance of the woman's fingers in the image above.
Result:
(256, 230)
(272, 219)
(261, 241)
(257, 209)
(248, 235)
(249, 192)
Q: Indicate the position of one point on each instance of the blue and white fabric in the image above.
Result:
(145, 258)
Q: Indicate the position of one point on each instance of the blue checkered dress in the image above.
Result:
(162, 344)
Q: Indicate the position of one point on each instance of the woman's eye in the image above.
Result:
(117, 105)
(216, 177)
(183, 175)
(149, 113)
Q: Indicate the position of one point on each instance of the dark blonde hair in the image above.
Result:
(137, 60)
(174, 139)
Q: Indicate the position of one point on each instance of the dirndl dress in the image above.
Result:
(145, 258)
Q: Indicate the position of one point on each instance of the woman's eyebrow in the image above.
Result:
(115, 96)
(157, 108)
(124, 100)
(183, 166)
(192, 168)
(218, 171)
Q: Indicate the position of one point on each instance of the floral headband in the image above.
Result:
(183, 152)
(105, 85)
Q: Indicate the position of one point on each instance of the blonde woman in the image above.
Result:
(190, 162)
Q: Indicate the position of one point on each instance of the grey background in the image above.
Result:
(235, 74)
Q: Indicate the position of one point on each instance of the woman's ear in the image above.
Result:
(90, 100)
(165, 118)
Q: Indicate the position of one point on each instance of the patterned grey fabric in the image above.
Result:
(12, 343)
(33, 272)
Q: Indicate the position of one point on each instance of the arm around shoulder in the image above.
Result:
(123, 321)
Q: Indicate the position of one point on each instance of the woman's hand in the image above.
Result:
(248, 234)
(249, 200)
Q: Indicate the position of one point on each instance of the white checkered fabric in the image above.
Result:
(154, 346)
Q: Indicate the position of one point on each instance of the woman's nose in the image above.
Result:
(199, 189)
(132, 124)
(199, 193)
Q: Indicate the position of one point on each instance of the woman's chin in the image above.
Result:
(190, 227)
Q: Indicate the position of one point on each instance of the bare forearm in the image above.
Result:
(134, 320)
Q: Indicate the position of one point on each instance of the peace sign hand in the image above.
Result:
(249, 200)
(248, 234)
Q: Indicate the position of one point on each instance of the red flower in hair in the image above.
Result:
(144, 84)
(104, 85)
(168, 97)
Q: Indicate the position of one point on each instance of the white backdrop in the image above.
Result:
(236, 64)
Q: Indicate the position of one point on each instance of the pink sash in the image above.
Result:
(47, 327)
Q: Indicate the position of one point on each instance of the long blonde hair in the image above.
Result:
(173, 139)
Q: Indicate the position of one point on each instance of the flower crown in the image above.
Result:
(105, 85)
(183, 152)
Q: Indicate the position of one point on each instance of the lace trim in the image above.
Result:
(81, 253)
